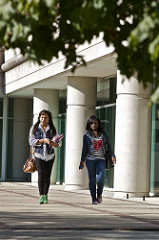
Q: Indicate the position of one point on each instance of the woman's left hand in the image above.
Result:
(114, 160)
(81, 166)
(54, 144)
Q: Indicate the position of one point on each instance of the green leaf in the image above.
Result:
(6, 9)
(50, 3)
(155, 96)
(154, 48)
(62, 29)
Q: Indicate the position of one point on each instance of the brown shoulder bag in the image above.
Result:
(29, 166)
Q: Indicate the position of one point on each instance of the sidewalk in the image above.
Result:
(70, 215)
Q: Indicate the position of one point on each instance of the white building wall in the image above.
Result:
(27, 73)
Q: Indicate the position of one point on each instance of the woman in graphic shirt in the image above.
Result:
(95, 145)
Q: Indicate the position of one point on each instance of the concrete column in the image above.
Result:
(46, 99)
(81, 102)
(4, 139)
(132, 138)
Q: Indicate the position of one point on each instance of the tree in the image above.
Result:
(44, 28)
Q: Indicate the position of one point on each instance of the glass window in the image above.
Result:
(62, 101)
(10, 108)
(106, 91)
(61, 129)
(154, 187)
(61, 151)
(10, 138)
(9, 149)
(1, 131)
(1, 107)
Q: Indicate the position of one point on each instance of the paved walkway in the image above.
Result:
(70, 215)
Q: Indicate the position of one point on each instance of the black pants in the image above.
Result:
(44, 171)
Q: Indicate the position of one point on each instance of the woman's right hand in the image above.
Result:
(51, 143)
(46, 140)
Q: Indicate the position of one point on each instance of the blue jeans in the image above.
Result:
(96, 173)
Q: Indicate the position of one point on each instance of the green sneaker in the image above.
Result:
(45, 198)
(41, 200)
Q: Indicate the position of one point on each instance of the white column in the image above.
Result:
(4, 138)
(46, 99)
(132, 138)
(81, 102)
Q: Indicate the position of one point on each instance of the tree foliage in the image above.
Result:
(44, 28)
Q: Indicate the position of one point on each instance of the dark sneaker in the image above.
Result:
(45, 198)
(41, 200)
(99, 199)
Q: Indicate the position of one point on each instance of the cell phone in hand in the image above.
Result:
(57, 139)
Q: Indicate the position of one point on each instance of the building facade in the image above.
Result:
(26, 88)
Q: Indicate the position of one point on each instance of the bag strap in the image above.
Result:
(32, 151)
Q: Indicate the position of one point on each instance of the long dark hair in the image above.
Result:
(52, 127)
(90, 121)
